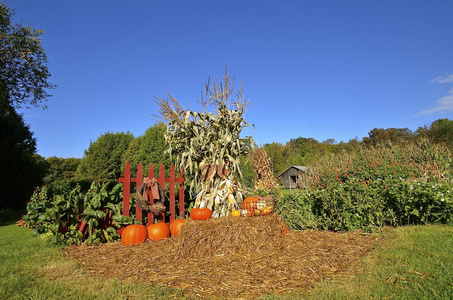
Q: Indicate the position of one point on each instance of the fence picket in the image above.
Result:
(126, 180)
(139, 181)
(162, 183)
(182, 212)
(172, 193)
(150, 176)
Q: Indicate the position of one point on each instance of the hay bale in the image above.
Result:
(229, 235)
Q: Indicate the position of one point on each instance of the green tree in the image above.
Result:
(149, 148)
(23, 64)
(275, 151)
(389, 136)
(132, 155)
(102, 160)
(304, 151)
(21, 169)
(441, 131)
(153, 148)
(61, 169)
(248, 174)
(23, 83)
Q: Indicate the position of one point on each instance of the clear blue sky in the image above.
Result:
(320, 69)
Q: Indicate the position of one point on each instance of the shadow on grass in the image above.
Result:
(9, 216)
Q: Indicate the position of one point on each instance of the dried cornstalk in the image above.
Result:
(208, 146)
(261, 164)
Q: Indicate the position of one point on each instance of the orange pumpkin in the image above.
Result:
(134, 235)
(249, 204)
(200, 213)
(176, 225)
(158, 231)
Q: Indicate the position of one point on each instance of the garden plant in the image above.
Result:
(59, 213)
(373, 187)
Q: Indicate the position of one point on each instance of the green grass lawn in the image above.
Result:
(414, 262)
(409, 263)
(31, 268)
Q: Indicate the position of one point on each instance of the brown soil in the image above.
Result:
(230, 258)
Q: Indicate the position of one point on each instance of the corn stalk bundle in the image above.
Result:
(261, 164)
(208, 146)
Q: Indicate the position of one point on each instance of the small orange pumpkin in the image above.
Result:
(158, 231)
(249, 204)
(176, 225)
(134, 235)
(200, 213)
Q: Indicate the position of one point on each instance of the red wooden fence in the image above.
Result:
(169, 203)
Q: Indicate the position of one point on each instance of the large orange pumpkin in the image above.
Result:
(176, 225)
(134, 235)
(200, 213)
(158, 231)
(249, 204)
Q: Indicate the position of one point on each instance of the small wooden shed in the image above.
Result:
(289, 176)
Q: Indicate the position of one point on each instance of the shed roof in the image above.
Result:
(300, 168)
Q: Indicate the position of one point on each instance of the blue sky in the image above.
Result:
(320, 69)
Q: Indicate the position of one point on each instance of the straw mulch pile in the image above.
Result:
(230, 258)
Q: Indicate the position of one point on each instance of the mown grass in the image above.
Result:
(413, 262)
(31, 268)
(409, 263)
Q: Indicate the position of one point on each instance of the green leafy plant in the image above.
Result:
(103, 212)
(419, 202)
(61, 215)
(53, 215)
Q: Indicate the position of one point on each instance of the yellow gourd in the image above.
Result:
(235, 213)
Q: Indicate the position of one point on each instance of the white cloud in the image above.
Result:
(444, 104)
(441, 79)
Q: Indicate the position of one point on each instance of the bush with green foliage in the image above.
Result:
(351, 206)
(149, 148)
(61, 169)
(102, 160)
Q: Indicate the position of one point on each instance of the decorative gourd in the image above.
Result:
(134, 235)
(200, 213)
(235, 213)
(266, 211)
(176, 225)
(158, 231)
(249, 205)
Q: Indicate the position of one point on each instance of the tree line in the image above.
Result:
(307, 151)
(106, 157)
